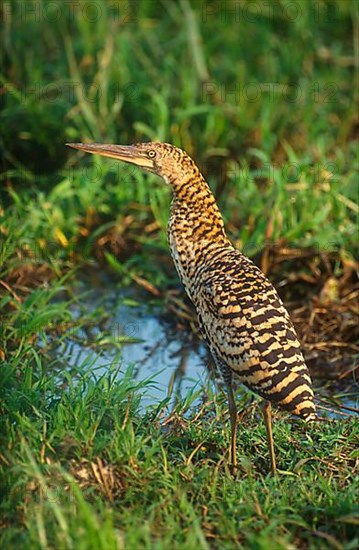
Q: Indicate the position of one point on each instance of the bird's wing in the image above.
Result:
(242, 316)
(249, 329)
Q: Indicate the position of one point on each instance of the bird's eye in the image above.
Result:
(151, 154)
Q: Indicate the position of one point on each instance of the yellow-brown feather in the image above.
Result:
(241, 315)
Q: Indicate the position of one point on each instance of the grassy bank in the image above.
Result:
(264, 98)
(86, 470)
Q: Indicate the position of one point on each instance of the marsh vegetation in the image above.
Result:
(264, 97)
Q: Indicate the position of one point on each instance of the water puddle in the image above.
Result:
(130, 330)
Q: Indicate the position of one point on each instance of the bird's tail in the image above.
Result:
(292, 390)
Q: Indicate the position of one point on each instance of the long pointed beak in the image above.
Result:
(126, 153)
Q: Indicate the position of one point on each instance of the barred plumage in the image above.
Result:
(248, 327)
(241, 316)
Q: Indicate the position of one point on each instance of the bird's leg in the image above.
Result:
(226, 374)
(233, 418)
(267, 414)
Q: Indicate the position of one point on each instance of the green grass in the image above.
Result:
(265, 101)
(281, 160)
(86, 469)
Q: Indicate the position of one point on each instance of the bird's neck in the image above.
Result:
(196, 228)
(195, 216)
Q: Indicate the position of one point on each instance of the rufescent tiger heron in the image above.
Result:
(242, 318)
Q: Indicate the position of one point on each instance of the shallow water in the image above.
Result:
(135, 326)
(129, 321)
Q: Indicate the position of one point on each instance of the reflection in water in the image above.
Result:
(175, 360)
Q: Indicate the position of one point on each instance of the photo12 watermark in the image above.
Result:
(73, 91)
(292, 11)
(69, 11)
(257, 92)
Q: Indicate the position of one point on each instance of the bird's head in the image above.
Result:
(163, 159)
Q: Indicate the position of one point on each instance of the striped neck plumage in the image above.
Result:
(195, 217)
